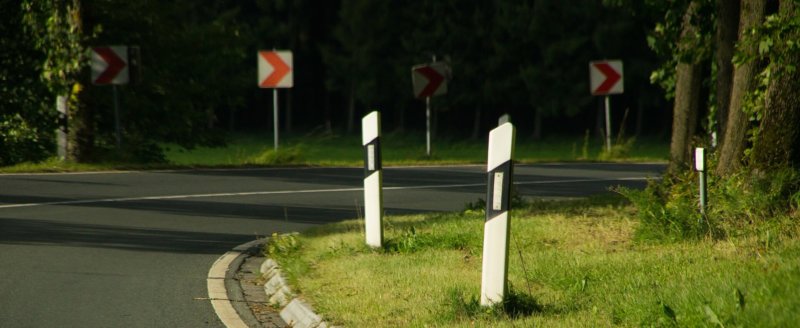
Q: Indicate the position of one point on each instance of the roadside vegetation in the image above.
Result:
(583, 263)
(256, 150)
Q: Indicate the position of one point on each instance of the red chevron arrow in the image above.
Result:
(612, 77)
(434, 81)
(280, 69)
(115, 65)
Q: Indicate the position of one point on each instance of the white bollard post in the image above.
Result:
(700, 166)
(373, 179)
(497, 226)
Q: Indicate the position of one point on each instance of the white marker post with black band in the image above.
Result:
(496, 231)
(700, 166)
(373, 179)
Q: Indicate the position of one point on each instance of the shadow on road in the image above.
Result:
(26, 232)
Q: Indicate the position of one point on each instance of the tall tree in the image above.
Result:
(731, 152)
(727, 26)
(688, 82)
(777, 143)
(362, 63)
(26, 112)
(57, 30)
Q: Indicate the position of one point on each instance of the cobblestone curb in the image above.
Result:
(294, 311)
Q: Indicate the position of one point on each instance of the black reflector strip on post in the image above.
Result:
(372, 157)
(498, 199)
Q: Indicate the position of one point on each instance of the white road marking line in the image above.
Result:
(284, 192)
(219, 294)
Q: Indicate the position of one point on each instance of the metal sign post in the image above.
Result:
(428, 126)
(496, 231)
(608, 124)
(110, 65)
(429, 80)
(373, 179)
(605, 78)
(275, 71)
(275, 118)
(428, 121)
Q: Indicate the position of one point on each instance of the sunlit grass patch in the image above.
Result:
(573, 263)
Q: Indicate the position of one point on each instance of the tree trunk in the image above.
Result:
(727, 30)
(778, 141)
(537, 125)
(688, 81)
(289, 110)
(476, 123)
(328, 118)
(80, 134)
(351, 111)
(639, 120)
(599, 122)
(744, 80)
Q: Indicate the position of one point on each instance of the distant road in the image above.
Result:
(132, 249)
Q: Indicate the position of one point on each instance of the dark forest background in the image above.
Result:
(529, 59)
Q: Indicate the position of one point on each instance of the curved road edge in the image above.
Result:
(221, 284)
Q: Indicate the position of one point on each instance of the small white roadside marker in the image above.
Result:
(700, 166)
(496, 231)
(373, 179)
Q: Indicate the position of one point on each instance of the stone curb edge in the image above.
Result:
(294, 311)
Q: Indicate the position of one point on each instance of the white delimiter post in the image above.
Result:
(497, 226)
(373, 179)
(700, 166)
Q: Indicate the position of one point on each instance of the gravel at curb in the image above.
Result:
(294, 311)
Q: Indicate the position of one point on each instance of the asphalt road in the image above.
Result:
(133, 249)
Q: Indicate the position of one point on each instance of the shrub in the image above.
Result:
(21, 142)
(743, 203)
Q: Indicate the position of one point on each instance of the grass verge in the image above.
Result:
(402, 149)
(572, 263)
(254, 150)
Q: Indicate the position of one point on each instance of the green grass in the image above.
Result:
(402, 150)
(398, 149)
(572, 264)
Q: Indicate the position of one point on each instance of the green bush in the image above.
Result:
(748, 202)
(21, 142)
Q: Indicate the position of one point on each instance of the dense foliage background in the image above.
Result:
(198, 67)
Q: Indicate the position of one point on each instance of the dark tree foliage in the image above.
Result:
(198, 67)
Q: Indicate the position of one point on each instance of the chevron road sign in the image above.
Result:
(110, 65)
(275, 69)
(606, 77)
(430, 79)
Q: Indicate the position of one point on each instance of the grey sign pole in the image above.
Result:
(373, 179)
(608, 124)
(496, 229)
(428, 121)
(275, 117)
(117, 127)
(428, 126)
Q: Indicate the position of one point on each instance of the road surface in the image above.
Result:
(132, 249)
